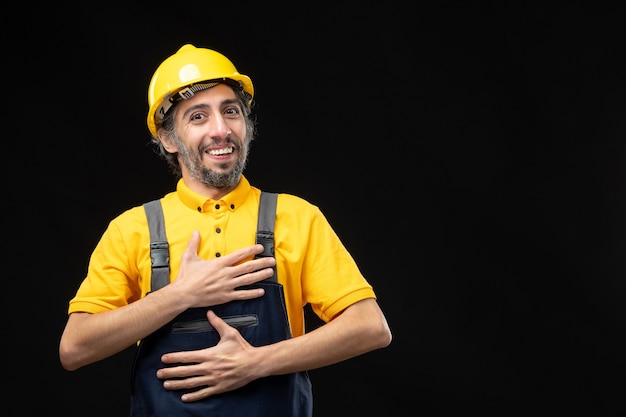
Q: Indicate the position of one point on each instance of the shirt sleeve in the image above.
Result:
(113, 278)
(320, 271)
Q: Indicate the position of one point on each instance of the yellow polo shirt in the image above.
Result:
(312, 264)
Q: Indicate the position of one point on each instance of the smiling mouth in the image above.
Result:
(223, 151)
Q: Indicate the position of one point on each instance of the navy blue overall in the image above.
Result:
(260, 321)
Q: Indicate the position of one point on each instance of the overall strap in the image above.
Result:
(265, 226)
(159, 247)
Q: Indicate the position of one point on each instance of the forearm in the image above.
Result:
(359, 329)
(88, 338)
(91, 337)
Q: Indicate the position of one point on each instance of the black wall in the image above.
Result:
(471, 155)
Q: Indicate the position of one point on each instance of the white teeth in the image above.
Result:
(223, 151)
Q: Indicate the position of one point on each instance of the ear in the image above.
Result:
(166, 142)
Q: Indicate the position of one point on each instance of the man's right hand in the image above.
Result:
(215, 281)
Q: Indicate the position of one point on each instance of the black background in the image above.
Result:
(471, 155)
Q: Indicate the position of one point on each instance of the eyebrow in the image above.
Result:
(198, 106)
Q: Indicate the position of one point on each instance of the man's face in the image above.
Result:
(211, 138)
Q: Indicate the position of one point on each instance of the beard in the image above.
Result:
(192, 160)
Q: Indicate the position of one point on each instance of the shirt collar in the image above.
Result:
(203, 204)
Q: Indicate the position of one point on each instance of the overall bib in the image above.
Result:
(260, 321)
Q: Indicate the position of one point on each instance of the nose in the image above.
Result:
(218, 128)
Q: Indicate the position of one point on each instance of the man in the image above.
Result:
(221, 337)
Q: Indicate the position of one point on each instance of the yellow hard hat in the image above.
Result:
(189, 67)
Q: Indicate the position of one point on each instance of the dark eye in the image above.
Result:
(232, 111)
(196, 116)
